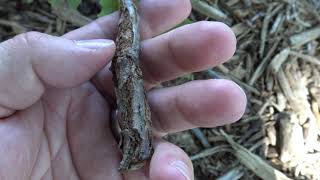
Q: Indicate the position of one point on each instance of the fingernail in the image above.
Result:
(95, 43)
(182, 168)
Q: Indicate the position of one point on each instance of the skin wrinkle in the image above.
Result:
(109, 98)
(158, 128)
(89, 92)
(26, 125)
(47, 171)
(68, 137)
(57, 154)
(184, 113)
(152, 79)
(157, 121)
(146, 31)
(27, 38)
(49, 167)
(45, 132)
(146, 71)
(179, 68)
(39, 147)
(34, 70)
(180, 110)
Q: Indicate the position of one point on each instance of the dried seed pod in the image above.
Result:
(134, 114)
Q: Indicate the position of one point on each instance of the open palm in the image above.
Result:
(56, 96)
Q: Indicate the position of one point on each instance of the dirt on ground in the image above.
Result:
(277, 63)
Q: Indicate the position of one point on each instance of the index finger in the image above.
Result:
(156, 18)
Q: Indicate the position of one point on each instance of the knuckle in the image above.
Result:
(29, 39)
(23, 87)
(20, 43)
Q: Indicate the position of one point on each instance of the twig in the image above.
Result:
(264, 106)
(15, 26)
(278, 60)
(211, 151)
(231, 77)
(256, 145)
(202, 138)
(263, 65)
(134, 114)
(277, 23)
(264, 31)
(39, 17)
(239, 29)
(304, 37)
(233, 174)
(305, 57)
(250, 119)
(212, 74)
(210, 11)
(254, 162)
(266, 21)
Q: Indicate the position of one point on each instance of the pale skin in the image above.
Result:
(56, 96)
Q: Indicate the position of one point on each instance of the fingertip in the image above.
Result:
(226, 36)
(218, 38)
(171, 172)
(198, 46)
(170, 162)
(242, 100)
(210, 103)
(229, 101)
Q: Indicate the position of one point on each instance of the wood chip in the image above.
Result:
(291, 137)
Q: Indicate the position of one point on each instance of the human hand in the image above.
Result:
(56, 96)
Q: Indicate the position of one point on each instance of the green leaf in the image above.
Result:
(186, 21)
(73, 4)
(108, 6)
(55, 2)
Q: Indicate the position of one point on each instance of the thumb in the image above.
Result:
(32, 60)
